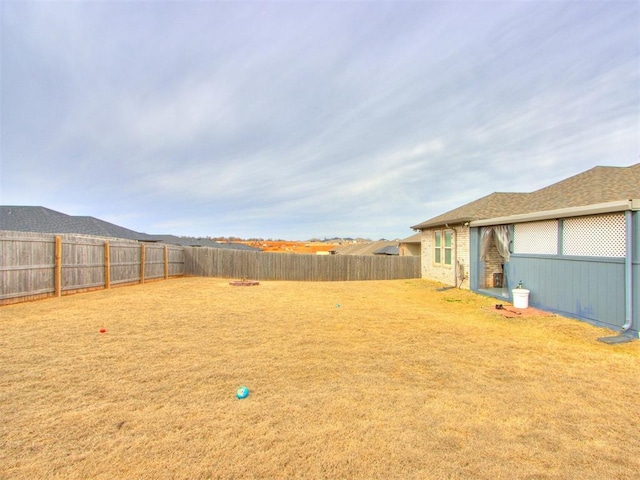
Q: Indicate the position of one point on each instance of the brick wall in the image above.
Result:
(493, 264)
(463, 254)
(446, 273)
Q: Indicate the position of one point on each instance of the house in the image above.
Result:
(445, 239)
(45, 220)
(367, 248)
(410, 246)
(202, 242)
(574, 244)
(388, 250)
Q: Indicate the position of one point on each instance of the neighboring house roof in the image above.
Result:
(183, 241)
(597, 185)
(364, 248)
(388, 250)
(235, 246)
(415, 238)
(45, 220)
(202, 242)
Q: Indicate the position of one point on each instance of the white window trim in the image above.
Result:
(443, 249)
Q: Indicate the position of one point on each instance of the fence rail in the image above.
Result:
(38, 265)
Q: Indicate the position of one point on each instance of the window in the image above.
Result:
(443, 247)
(448, 243)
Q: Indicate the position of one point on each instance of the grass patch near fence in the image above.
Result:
(379, 379)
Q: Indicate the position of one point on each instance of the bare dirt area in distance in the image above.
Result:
(292, 247)
(358, 380)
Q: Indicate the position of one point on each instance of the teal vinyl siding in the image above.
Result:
(587, 288)
(636, 271)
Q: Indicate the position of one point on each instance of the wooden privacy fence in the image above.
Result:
(36, 265)
(216, 262)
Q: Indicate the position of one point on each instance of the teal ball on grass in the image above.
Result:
(242, 392)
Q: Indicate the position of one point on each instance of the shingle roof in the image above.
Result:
(388, 250)
(368, 248)
(183, 241)
(493, 205)
(415, 238)
(45, 220)
(597, 185)
(202, 242)
(235, 246)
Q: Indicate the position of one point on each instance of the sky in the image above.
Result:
(298, 119)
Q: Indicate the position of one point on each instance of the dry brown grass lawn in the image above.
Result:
(398, 381)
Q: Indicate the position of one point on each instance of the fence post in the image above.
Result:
(142, 261)
(58, 266)
(166, 262)
(107, 265)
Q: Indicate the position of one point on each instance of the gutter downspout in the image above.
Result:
(628, 273)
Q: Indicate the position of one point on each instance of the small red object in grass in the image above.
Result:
(103, 330)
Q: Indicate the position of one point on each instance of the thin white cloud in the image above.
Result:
(283, 119)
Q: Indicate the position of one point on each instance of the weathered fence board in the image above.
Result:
(27, 265)
(125, 262)
(215, 262)
(31, 267)
(175, 261)
(82, 263)
(154, 261)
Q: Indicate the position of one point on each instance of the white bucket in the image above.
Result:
(520, 297)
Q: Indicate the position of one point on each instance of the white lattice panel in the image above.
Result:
(536, 237)
(595, 236)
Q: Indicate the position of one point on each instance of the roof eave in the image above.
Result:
(443, 223)
(595, 209)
